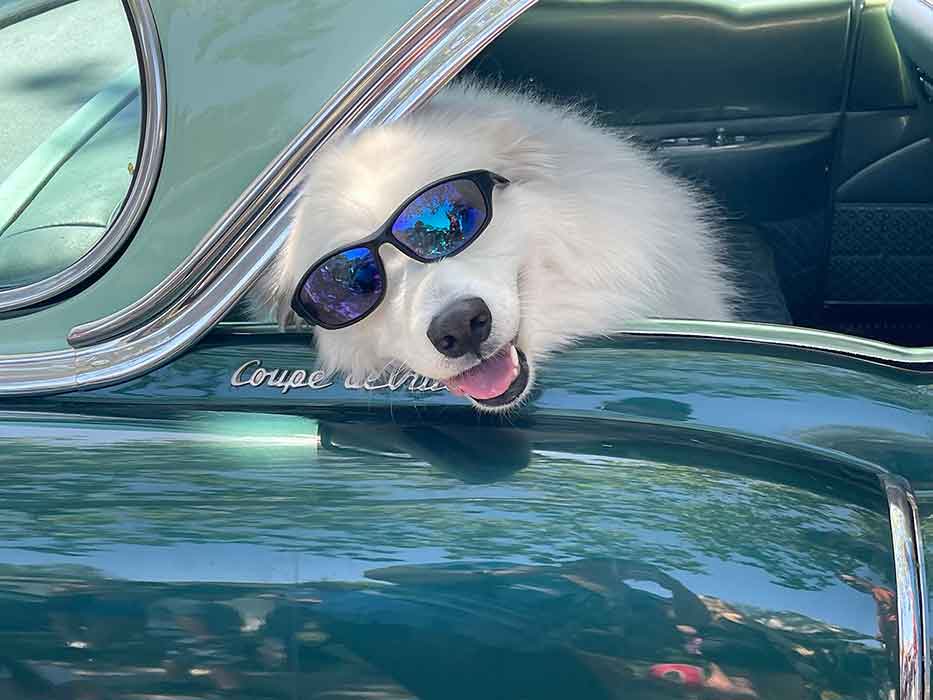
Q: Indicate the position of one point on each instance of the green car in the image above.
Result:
(191, 509)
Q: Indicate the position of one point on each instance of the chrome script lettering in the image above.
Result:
(252, 373)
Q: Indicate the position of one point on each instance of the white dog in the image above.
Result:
(588, 233)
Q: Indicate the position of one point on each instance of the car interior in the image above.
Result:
(810, 125)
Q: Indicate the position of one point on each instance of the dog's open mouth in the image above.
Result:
(496, 381)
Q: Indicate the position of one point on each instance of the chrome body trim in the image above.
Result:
(910, 576)
(38, 373)
(429, 49)
(145, 175)
(774, 335)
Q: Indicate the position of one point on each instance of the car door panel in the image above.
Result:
(788, 170)
(655, 62)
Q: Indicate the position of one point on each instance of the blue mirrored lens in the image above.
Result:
(344, 287)
(442, 220)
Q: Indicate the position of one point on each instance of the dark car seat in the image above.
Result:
(752, 261)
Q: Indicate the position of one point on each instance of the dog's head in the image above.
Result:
(535, 279)
(463, 320)
(459, 319)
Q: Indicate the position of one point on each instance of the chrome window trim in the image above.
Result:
(435, 44)
(910, 576)
(145, 175)
(797, 337)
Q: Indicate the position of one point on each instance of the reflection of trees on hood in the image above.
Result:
(152, 482)
(594, 620)
(907, 454)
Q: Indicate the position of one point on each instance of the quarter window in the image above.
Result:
(70, 116)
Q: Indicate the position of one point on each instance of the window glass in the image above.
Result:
(69, 130)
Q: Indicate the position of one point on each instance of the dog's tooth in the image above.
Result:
(514, 354)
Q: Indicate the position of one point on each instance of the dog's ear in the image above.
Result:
(525, 155)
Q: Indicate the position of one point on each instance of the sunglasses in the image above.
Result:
(439, 221)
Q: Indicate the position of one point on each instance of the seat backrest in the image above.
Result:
(912, 23)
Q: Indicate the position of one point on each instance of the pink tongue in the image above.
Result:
(488, 379)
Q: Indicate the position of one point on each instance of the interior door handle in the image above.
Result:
(719, 138)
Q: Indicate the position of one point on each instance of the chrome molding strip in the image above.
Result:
(145, 174)
(37, 373)
(432, 47)
(910, 576)
(786, 336)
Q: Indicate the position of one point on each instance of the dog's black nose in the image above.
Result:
(461, 327)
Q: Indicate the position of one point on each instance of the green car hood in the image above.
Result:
(658, 521)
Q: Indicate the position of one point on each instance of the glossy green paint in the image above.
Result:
(242, 79)
(709, 505)
(866, 413)
(250, 553)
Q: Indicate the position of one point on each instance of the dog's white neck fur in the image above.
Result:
(590, 233)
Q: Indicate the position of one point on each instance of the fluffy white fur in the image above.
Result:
(591, 232)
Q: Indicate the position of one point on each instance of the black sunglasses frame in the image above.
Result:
(485, 180)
